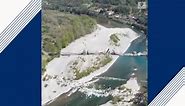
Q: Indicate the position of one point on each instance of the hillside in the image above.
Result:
(59, 29)
(122, 11)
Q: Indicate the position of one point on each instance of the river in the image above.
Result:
(122, 68)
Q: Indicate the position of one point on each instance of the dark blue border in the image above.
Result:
(20, 62)
(20, 68)
(166, 37)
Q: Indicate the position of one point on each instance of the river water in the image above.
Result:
(122, 68)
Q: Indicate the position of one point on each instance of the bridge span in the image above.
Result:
(102, 53)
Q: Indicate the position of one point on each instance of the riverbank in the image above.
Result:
(125, 94)
(59, 78)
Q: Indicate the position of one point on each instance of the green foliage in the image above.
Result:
(84, 73)
(59, 29)
(83, 6)
(105, 60)
(114, 38)
(63, 28)
(122, 9)
(45, 60)
(116, 99)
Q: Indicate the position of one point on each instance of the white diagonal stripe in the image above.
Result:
(15, 27)
(169, 85)
(20, 18)
(170, 90)
(15, 34)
